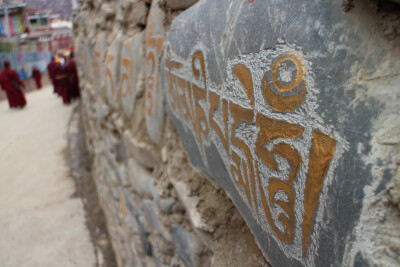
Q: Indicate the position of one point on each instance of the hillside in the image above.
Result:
(63, 8)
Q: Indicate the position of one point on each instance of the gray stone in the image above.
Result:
(180, 4)
(102, 111)
(132, 71)
(108, 10)
(190, 203)
(155, 112)
(144, 236)
(118, 122)
(82, 55)
(164, 154)
(116, 170)
(120, 152)
(138, 224)
(186, 245)
(150, 211)
(112, 70)
(116, 195)
(123, 174)
(277, 101)
(110, 173)
(166, 204)
(88, 59)
(98, 57)
(141, 180)
(139, 150)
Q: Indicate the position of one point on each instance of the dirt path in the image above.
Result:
(40, 224)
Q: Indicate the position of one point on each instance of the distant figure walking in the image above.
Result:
(61, 83)
(50, 70)
(73, 80)
(12, 85)
(37, 75)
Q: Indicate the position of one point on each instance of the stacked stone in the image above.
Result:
(159, 210)
(288, 107)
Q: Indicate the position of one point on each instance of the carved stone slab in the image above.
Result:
(88, 59)
(154, 98)
(82, 55)
(180, 4)
(98, 56)
(112, 69)
(260, 94)
(132, 71)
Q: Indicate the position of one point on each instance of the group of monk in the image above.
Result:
(64, 78)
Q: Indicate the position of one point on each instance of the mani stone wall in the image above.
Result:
(244, 132)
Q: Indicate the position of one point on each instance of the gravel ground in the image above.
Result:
(42, 222)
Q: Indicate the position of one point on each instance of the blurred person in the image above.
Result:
(61, 82)
(22, 74)
(12, 85)
(62, 60)
(73, 80)
(50, 69)
(37, 75)
(58, 70)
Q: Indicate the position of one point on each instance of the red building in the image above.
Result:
(39, 33)
(55, 36)
(61, 36)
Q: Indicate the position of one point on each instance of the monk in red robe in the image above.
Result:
(12, 85)
(73, 80)
(50, 69)
(61, 83)
(37, 76)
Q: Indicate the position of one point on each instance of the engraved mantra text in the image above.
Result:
(152, 72)
(184, 97)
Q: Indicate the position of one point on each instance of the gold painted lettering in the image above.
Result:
(183, 87)
(200, 94)
(128, 64)
(170, 65)
(285, 103)
(243, 74)
(150, 61)
(109, 59)
(241, 115)
(322, 150)
(213, 99)
(198, 56)
(172, 91)
(152, 77)
(269, 130)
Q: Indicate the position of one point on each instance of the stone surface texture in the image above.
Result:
(112, 68)
(132, 71)
(280, 144)
(180, 4)
(155, 113)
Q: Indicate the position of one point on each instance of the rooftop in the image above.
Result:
(12, 3)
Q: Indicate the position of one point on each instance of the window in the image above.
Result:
(33, 22)
(43, 21)
(38, 20)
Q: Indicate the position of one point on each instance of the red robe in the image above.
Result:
(16, 97)
(38, 77)
(61, 84)
(50, 69)
(73, 80)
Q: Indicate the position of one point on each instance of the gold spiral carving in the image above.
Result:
(282, 103)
